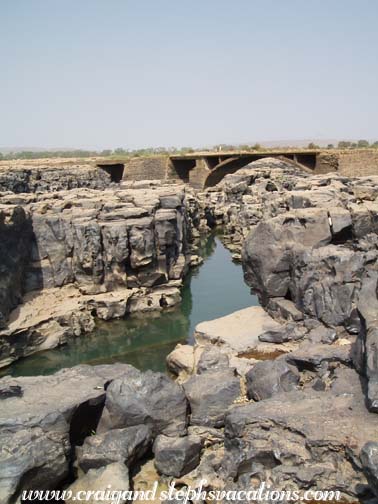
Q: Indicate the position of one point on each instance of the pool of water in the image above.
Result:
(214, 289)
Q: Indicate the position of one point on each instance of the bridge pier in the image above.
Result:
(198, 175)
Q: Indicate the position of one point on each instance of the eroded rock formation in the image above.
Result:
(47, 176)
(284, 393)
(309, 249)
(70, 255)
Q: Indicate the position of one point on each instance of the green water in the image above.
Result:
(214, 289)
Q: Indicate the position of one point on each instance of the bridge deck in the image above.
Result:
(273, 153)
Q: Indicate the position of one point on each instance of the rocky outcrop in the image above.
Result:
(41, 418)
(366, 358)
(105, 240)
(242, 199)
(276, 393)
(15, 250)
(296, 422)
(294, 439)
(73, 255)
(46, 177)
(240, 330)
(309, 249)
(64, 427)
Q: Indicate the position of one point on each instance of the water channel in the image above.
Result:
(214, 289)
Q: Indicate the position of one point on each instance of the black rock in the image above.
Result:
(288, 332)
(146, 399)
(10, 391)
(176, 456)
(117, 445)
(212, 358)
(369, 461)
(39, 429)
(267, 378)
(322, 334)
(210, 394)
(318, 356)
(301, 438)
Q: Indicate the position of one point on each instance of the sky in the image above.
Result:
(138, 73)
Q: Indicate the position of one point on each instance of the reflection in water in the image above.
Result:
(214, 289)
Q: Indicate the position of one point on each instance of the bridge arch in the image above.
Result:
(226, 167)
(233, 164)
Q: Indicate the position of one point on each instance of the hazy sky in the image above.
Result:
(133, 73)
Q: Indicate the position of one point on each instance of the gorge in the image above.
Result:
(284, 392)
(210, 290)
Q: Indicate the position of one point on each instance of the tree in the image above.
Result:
(330, 146)
(311, 145)
(344, 145)
(186, 150)
(120, 151)
(362, 144)
(256, 146)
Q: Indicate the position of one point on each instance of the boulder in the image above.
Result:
(181, 359)
(341, 220)
(322, 334)
(211, 359)
(369, 461)
(362, 223)
(176, 456)
(111, 478)
(117, 445)
(148, 398)
(110, 305)
(318, 356)
(210, 394)
(290, 331)
(268, 378)
(33, 456)
(345, 380)
(42, 422)
(284, 308)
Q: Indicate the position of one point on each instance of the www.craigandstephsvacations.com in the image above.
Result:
(183, 495)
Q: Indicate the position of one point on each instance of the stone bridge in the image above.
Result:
(206, 169)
